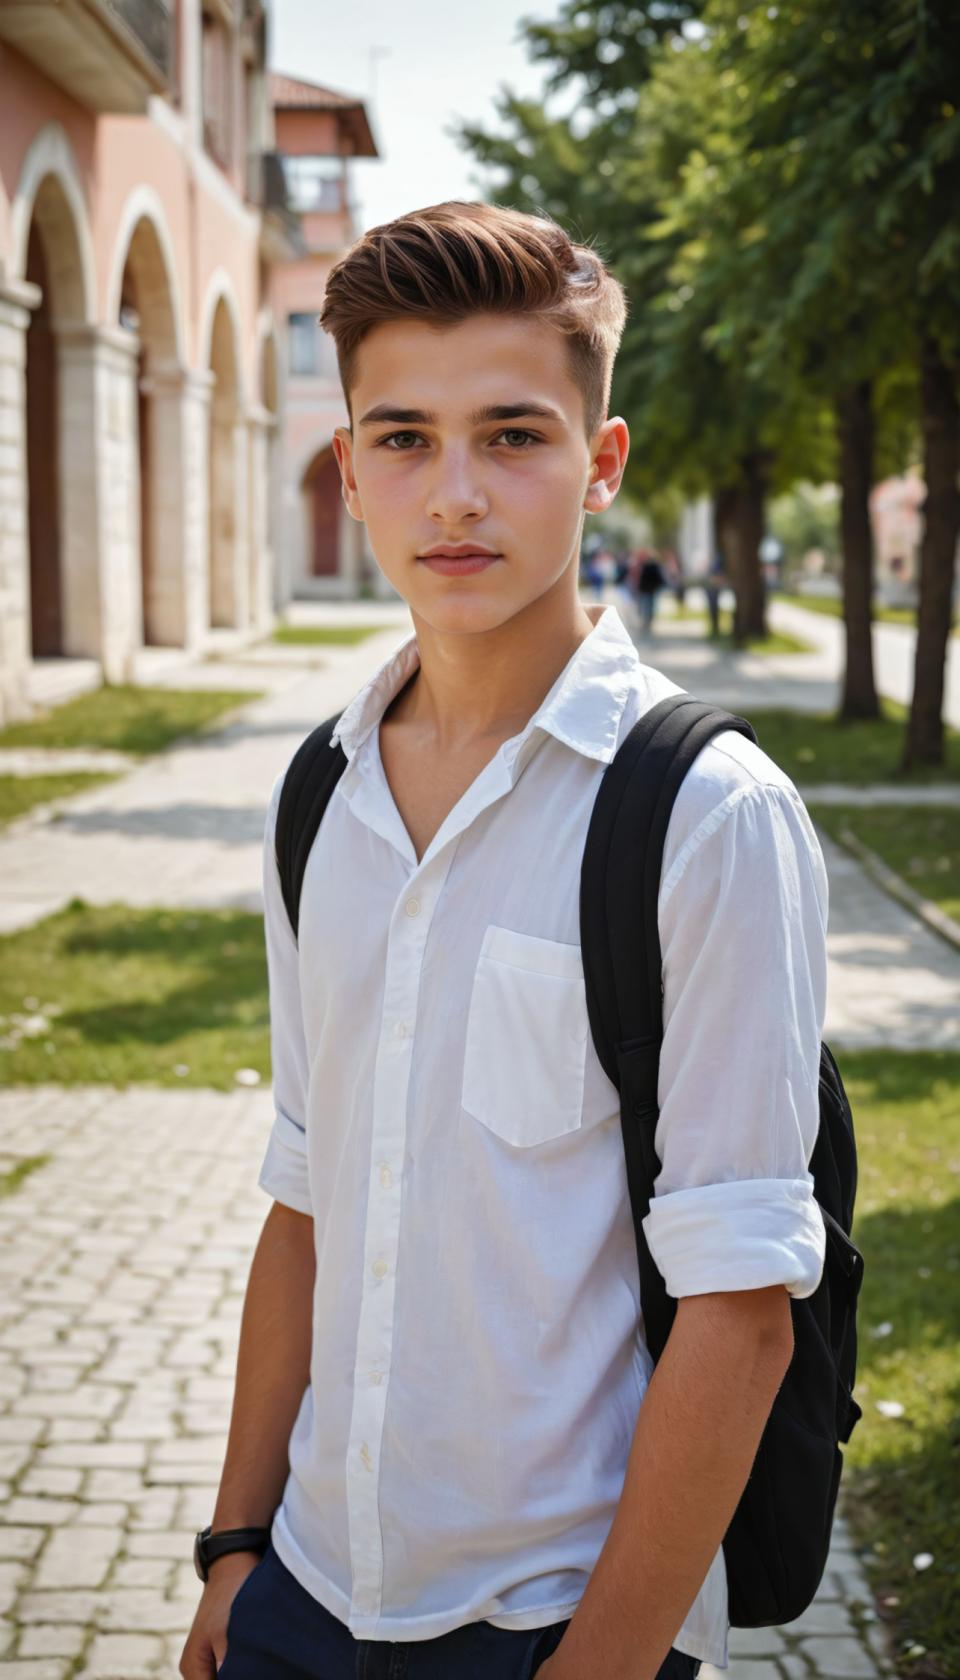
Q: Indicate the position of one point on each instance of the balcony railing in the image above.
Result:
(109, 55)
(151, 22)
(267, 188)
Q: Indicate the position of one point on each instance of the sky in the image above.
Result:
(418, 67)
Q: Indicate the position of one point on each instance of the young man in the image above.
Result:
(438, 1416)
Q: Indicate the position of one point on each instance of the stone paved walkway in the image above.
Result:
(123, 1263)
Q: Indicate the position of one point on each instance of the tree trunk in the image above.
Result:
(855, 435)
(941, 527)
(725, 541)
(751, 614)
(739, 516)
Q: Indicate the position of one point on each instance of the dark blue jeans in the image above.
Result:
(278, 1631)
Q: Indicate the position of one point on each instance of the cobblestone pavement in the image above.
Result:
(123, 1263)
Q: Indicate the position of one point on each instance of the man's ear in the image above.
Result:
(608, 458)
(343, 450)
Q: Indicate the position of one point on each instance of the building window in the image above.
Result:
(304, 344)
(216, 49)
(314, 183)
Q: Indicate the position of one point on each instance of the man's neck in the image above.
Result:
(485, 687)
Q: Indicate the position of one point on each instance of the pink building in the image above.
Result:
(318, 131)
(142, 211)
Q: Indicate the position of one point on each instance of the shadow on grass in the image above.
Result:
(136, 995)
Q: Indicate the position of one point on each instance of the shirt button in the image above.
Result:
(376, 1377)
(379, 1268)
(412, 906)
(386, 1176)
(365, 1455)
(400, 1030)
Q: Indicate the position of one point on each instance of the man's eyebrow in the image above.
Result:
(385, 413)
(400, 416)
(527, 408)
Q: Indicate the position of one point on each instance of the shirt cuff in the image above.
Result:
(284, 1174)
(749, 1234)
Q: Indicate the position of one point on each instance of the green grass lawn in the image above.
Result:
(920, 842)
(331, 635)
(812, 747)
(19, 794)
(902, 1472)
(12, 1178)
(119, 996)
(833, 608)
(126, 717)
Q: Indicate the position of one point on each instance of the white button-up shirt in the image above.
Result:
(478, 1358)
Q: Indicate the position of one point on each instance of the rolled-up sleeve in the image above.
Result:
(283, 1174)
(743, 919)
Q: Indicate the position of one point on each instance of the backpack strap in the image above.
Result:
(311, 777)
(620, 940)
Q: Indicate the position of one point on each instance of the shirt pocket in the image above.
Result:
(527, 1026)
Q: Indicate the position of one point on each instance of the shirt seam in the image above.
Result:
(708, 825)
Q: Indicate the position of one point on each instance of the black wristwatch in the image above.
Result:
(207, 1546)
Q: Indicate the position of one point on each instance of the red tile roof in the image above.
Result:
(289, 94)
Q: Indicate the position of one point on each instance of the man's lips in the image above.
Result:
(456, 560)
(457, 551)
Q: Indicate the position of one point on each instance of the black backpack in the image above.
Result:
(776, 1547)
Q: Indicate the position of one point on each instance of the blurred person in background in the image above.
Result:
(716, 579)
(648, 580)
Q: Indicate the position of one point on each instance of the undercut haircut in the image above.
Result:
(449, 261)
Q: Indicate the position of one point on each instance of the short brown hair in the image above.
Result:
(449, 261)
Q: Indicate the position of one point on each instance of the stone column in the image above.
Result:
(195, 423)
(229, 517)
(175, 599)
(262, 429)
(99, 496)
(16, 301)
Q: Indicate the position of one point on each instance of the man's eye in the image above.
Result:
(392, 438)
(513, 433)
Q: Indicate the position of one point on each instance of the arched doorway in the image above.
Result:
(321, 489)
(146, 309)
(226, 609)
(54, 265)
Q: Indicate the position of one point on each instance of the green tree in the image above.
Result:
(611, 169)
(845, 168)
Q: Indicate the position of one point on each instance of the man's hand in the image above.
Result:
(206, 1647)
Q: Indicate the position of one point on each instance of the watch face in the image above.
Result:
(198, 1556)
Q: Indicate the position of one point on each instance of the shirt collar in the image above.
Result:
(583, 708)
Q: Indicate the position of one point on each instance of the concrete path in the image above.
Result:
(894, 652)
(185, 827)
(123, 1264)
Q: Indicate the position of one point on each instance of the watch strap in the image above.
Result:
(225, 1540)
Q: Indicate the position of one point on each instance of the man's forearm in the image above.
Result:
(273, 1369)
(694, 1444)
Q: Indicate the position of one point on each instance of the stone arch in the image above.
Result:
(51, 249)
(144, 252)
(49, 195)
(143, 301)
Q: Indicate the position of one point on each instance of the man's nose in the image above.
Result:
(456, 490)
